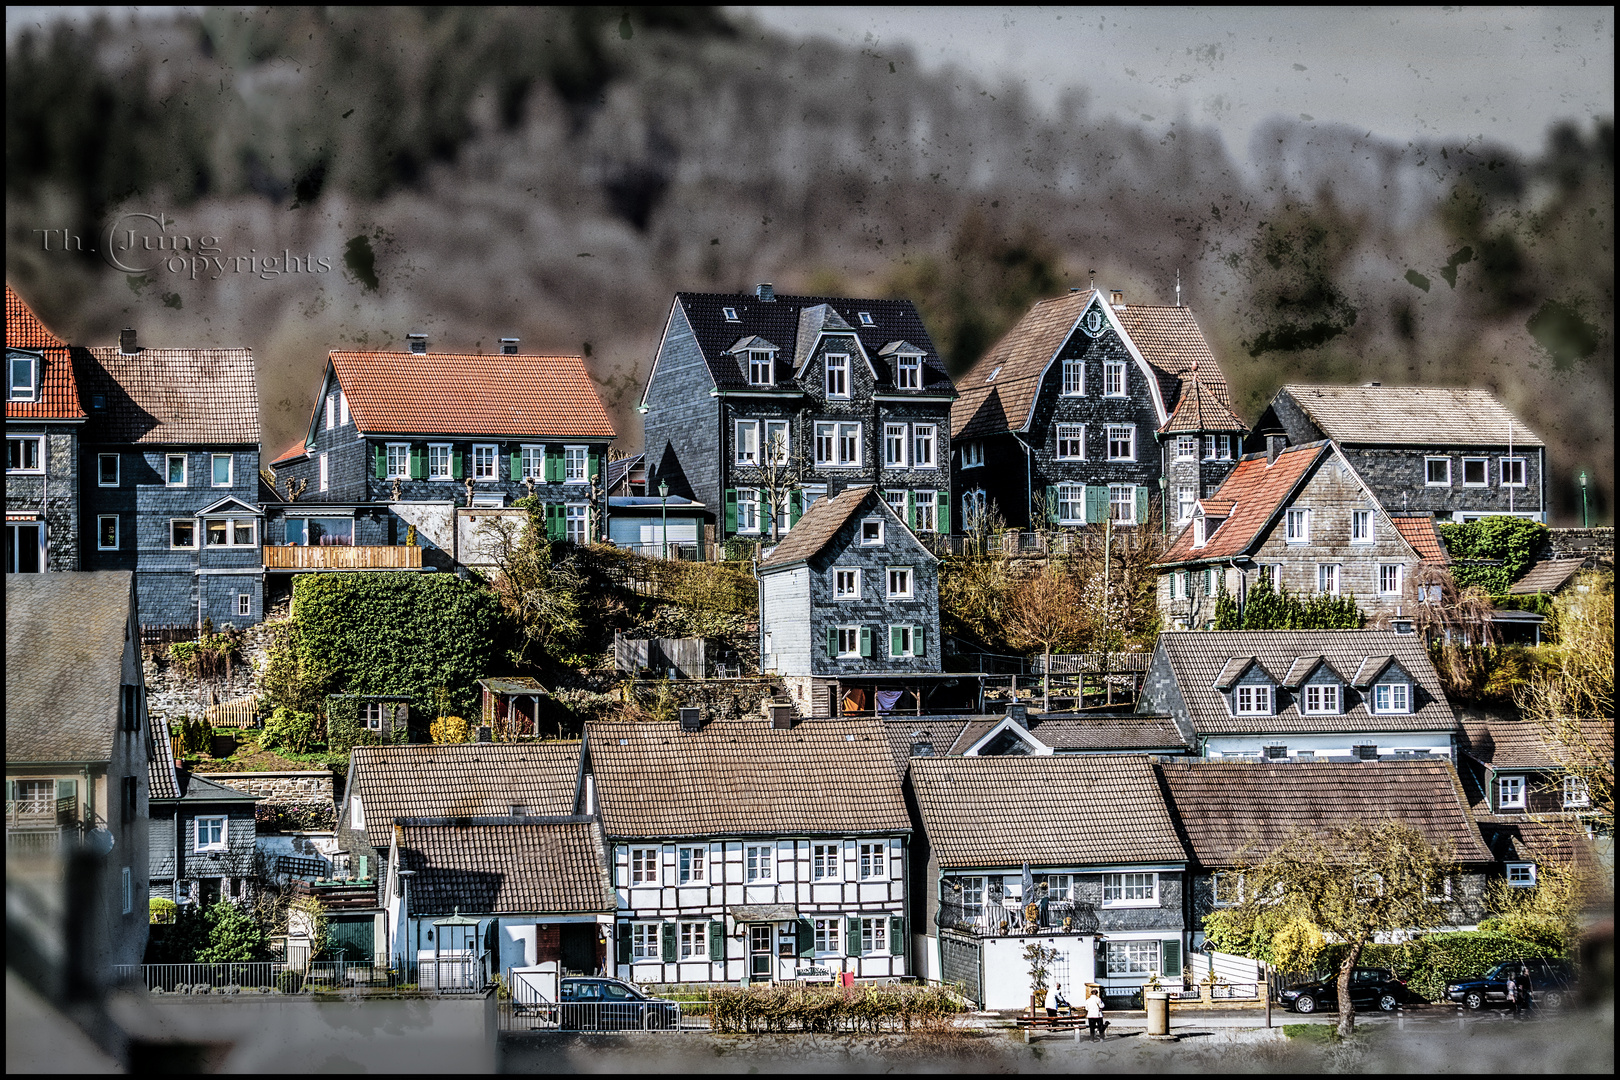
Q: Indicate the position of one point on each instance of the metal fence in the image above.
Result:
(457, 975)
(167, 633)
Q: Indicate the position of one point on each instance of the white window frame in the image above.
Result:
(231, 525)
(1428, 471)
(973, 454)
(101, 538)
(645, 944)
(896, 498)
(1520, 875)
(1058, 886)
(1438, 896)
(745, 442)
(973, 893)
(1186, 501)
(531, 458)
(691, 865)
(849, 439)
(1115, 383)
(908, 371)
(868, 537)
(906, 579)
(1329, 578)
(852, 634)
(761, 362)
(576, 464)
(874, 861)
(759, 863)
(1200, 529)
(1297, 526)
(118, 469)
(828, 936)
(1512, 793)
(826, 862)
(748, 522)
(730, 314)
(846, 576)
(168, 470)
(331, 411)
(1178, 584)
(1128, 503)
(244, 605)
(926, 504)
(908, 640)
(895, 446)
(1070, 442)
(694, 940)
(1485, 466)
(1391, 579)
(1071, 504)
(397, 461)
(577, 523)
(1361, 526)
(1394, 698)
(371, 714)
(343, 409)
(773, 451)
(1186, 448)
(826, 437)
(1577, 792)
(923, 439)
(1518, 466)
(325, 473)
(1074, 379)
(1320, 698)
(1114, 433)
(224, 841)
(642, 865)
(837, 364)
(494, 463)
(1125, 890)
(194, 537)
(16, 391)
(1227, 881)
(875, 936)
(865, 318)
(1252, 700)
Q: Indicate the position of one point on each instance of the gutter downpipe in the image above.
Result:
(1243, 586)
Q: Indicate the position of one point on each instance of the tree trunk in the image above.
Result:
(1046, 682)
(1347, 1008)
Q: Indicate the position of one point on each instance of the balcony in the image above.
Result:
(342, 557)
(36, 827)
(992, 919)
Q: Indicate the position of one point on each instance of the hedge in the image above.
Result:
(1426, 964)
(832, 1009)
(1513, 541)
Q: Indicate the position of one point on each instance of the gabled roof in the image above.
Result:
(512, 865)
(815, 320)
(1302, 669)
(229, 503)
(939, 732)
(1546, 576)
(1410, 415)
(1056, 810)
(195, 787)
(472, 394)
(462, 780)
(172, 396)
(66, 633)
(1196, 658)
(1236, 812)
(58, 397)
(1233, 670)
(292, 453)
(161, 782)
(743, 778)
(1258, 493)
(1519, 744)
(821, 523)
(1200, 410)
(620, 468)
(1418, 530)
(1071, 733)
(1370, 668)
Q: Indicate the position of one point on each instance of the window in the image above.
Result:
(1389, 579)
(846, 584)
(577, 524)
(576, 459)
(1178, 584)
(1071, 442)
(230, 532)
(644, 941)
(371, 714)
(849, 445)
(874, 860)
(1276, 753)
(866, 318)
(1209, 447)
(643, 866)
(849, 641)
(837, 375)
(874, 936)
(972, 897)
(899, 582)
(1327, 578)
(211, 833)
(778, 441)
(1521, 875)
(1122, 504)
(1228, 889)
(827, 936)
(1186, 499)
(1475, 472)
(1392, 698)
(694, 941)
(1130, 890)
(175, 476)
(922, 446)
(747, 442)
(1437, 891)
(1322, 699)
(183, 533)
(760, 369)
(972, 454)
(1361, 527)
(244, 605)
(730, 313)
(747, 510)
(325, 482)
(897, 503)
(894, 444)
(1577, 792)
(1253, 700)
(331, 411)
(399, 461)
(1186, 447)
(107, 470)
(926, 504)
(759, 863)
(107, 532)
(1298, 527)
(484, 463)
(691, 864)
(1437, 472)
(1058, 886)
(1512, 472)
(1071, 504)
(1209, 580)
(1510, 793)
(534, 458)
(903, 640)
(1074, 378)
(343, 408)
(1121, 442)
(871, 531)
(908, 376)
(1113, 378)
(22, 377)
(531, 459)
(824, 862)
(826, 434)
(1133, 957)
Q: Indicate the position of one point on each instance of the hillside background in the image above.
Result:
(556, 175)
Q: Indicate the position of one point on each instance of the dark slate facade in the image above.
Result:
(42, 495)
(212, 871)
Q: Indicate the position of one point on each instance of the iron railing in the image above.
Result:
(991, 918)
(42, 813)
(453, 975)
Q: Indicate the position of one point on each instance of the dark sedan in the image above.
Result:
(1551, 983)
(611, 1005)
(1370, 988)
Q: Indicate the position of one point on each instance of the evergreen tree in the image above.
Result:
(1227, 615)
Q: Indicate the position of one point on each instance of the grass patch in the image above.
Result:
(1326, 1034)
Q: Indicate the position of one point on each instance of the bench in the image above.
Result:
(1053, 1023)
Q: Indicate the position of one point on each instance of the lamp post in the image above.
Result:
(663, 501)
(1585, 522)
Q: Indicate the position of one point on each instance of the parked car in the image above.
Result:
(1552, 982)
(1370, 988)
(611, 1005)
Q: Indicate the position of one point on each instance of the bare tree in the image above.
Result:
(781, 473)
(1044, 612)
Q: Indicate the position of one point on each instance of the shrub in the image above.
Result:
(289, 728)
(290, 982)
(1426, 964)
(833, 1009)
(450, 729)
(192, 736)
(233, 936)
(162, 911)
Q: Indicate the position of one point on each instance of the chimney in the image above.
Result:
(765, 292)
(1117, 297)
(1018, 713)
(509, 346)
(1375, 383)
(126, 342)
(483, 734)
(781, 714)
(1274, 446)
(691, 719)
(418, 343)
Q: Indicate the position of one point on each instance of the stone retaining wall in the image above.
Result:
(302, 786)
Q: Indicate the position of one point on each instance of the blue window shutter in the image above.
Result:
(381, 456)
(1141, 504)
(866, 641)
(731, 511)
(897, 935)
(1052, 504)
(919, 641)
(717, 940)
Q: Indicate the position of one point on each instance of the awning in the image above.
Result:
(763, 912)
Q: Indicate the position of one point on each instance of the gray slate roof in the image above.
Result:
(65, 639)
(1197, 657)
(820, 524)
(1055, 810)
(743, 778)
(172, 396)
(512, 865)
(1410, 415)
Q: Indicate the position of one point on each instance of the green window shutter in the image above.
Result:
(717, 940)
(593, 468)
(832, 641)
(919, 641)
(1096, 504)
(1172, 958)
(1141, 504)
(942, 514)
(418, 465)
(894, 641)
(666, 941)
(852, 936)
(795, 507)
(11, 791)
(866, 641)
(556, 467)
(622, 936)
(1052, 504)
(911, 509)
(897, 936)
(458, 464)
(731, 511)
(556, 521)
(515, 473)
(381, 456)
(807, 938)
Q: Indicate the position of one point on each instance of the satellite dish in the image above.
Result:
(100, 841)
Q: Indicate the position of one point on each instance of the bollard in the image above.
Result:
(1157, 1004)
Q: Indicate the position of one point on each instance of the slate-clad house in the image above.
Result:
(803, 396)
(1457, 453)
(1076, 415)
(77, 747)
(1232, 813)
(202, 834)
(44, 430)
(1301, 694)
(1302, 517)
(433, 448)
(745, 851)
(171, 481)
(1514, 772)
(1105, 873)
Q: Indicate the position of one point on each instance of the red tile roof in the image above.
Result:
(1257, 491)
(296, 450)
(1201, 409)
(1419, 531)
(59, 392)
(543, 397)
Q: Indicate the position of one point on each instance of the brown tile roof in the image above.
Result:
(1168, 337)
(59, 392)
(1077, 733)
(1521, 744)
(818, 526)
(1562, 840)
(743, 778)
(1419, 531)
(542, 397)
(1232, 812)
(65, 636)
(506, 866)
(292, 453)
(1197, 657)
(1200, 410)
(1055, 810)
(1410, 415)
(1258, 494)
(940, 732)
(172, 395)
(1546, 576)
(997, 393)
(462, 780)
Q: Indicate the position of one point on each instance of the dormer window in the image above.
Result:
(866, 318)
(1200, 531)
(23, 385)
(908, 374)
(1392, 697)
(1252, 700)
(760, 368)
(730, 313)
(1322, 698)
(837, 375)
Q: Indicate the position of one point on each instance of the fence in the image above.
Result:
(1015, 542)
(154, 634)
(686, 657)
(457, 976)
(237, 713)
(528, 1010)
(1076, 663)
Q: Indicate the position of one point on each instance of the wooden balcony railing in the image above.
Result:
(342, 557)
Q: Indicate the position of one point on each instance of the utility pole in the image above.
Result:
(1108, 604)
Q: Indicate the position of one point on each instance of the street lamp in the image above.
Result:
(663, 500)
(1585, 523)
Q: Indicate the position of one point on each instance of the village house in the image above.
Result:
(1089, 410)
(1019, 732)
(753, 850)
(757, 405)
(44, 432)
(413, 460)
(1302, 518)
(203, 835)
(77, 748)
(1456, 453)
(1077, 852)
(1305, 695)
(1233, 814)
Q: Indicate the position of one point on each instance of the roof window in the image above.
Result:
(990, 378)
(866, 318)
(730, 313)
